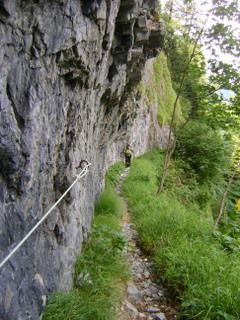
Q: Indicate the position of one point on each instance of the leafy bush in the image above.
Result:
(204, 150)
(178, 50)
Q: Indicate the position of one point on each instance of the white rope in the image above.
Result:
(79, 176)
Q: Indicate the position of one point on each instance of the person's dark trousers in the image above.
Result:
(127, 161)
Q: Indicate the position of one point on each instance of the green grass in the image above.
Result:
(178, 234)
(109, 202)
(100, 269)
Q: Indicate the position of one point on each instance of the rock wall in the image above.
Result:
(68, 76)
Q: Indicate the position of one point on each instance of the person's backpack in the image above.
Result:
(128, 152)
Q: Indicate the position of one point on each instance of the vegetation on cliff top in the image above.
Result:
(158, 90)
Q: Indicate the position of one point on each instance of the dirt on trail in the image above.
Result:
(144, 297)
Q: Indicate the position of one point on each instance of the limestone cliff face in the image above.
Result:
(68, 76)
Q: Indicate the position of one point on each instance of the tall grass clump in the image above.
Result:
(177, 232)
(99, 270)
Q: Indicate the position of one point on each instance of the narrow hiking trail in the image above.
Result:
(144, 298)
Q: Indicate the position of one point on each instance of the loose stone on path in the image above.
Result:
(144, 298)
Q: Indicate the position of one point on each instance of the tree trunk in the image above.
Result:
(224, 197)
(170, 148)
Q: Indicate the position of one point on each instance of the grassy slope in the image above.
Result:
(159, 91)
(100, 269)
(179, 236)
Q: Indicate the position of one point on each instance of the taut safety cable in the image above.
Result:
(83, 172)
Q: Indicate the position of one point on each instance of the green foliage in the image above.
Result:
(178, 48)
(159, 91)
(204, 150)
(222, 115)
(228, 232)
(165, 92)
(178, 234)
(222, 34)
(204, 91)
(109, 203)
(114, 172)
(100, 269)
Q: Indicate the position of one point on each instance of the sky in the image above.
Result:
(203, 9)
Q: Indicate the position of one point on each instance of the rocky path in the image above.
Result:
(144, 298)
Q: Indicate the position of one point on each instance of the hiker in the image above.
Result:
(128, 152)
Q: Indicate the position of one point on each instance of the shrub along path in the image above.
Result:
(144, 298)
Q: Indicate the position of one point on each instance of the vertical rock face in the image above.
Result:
(68, 72)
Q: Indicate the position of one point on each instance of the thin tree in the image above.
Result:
(221, 35)
(225, 194)
(172, 136)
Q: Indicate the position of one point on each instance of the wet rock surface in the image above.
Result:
(145, 298)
